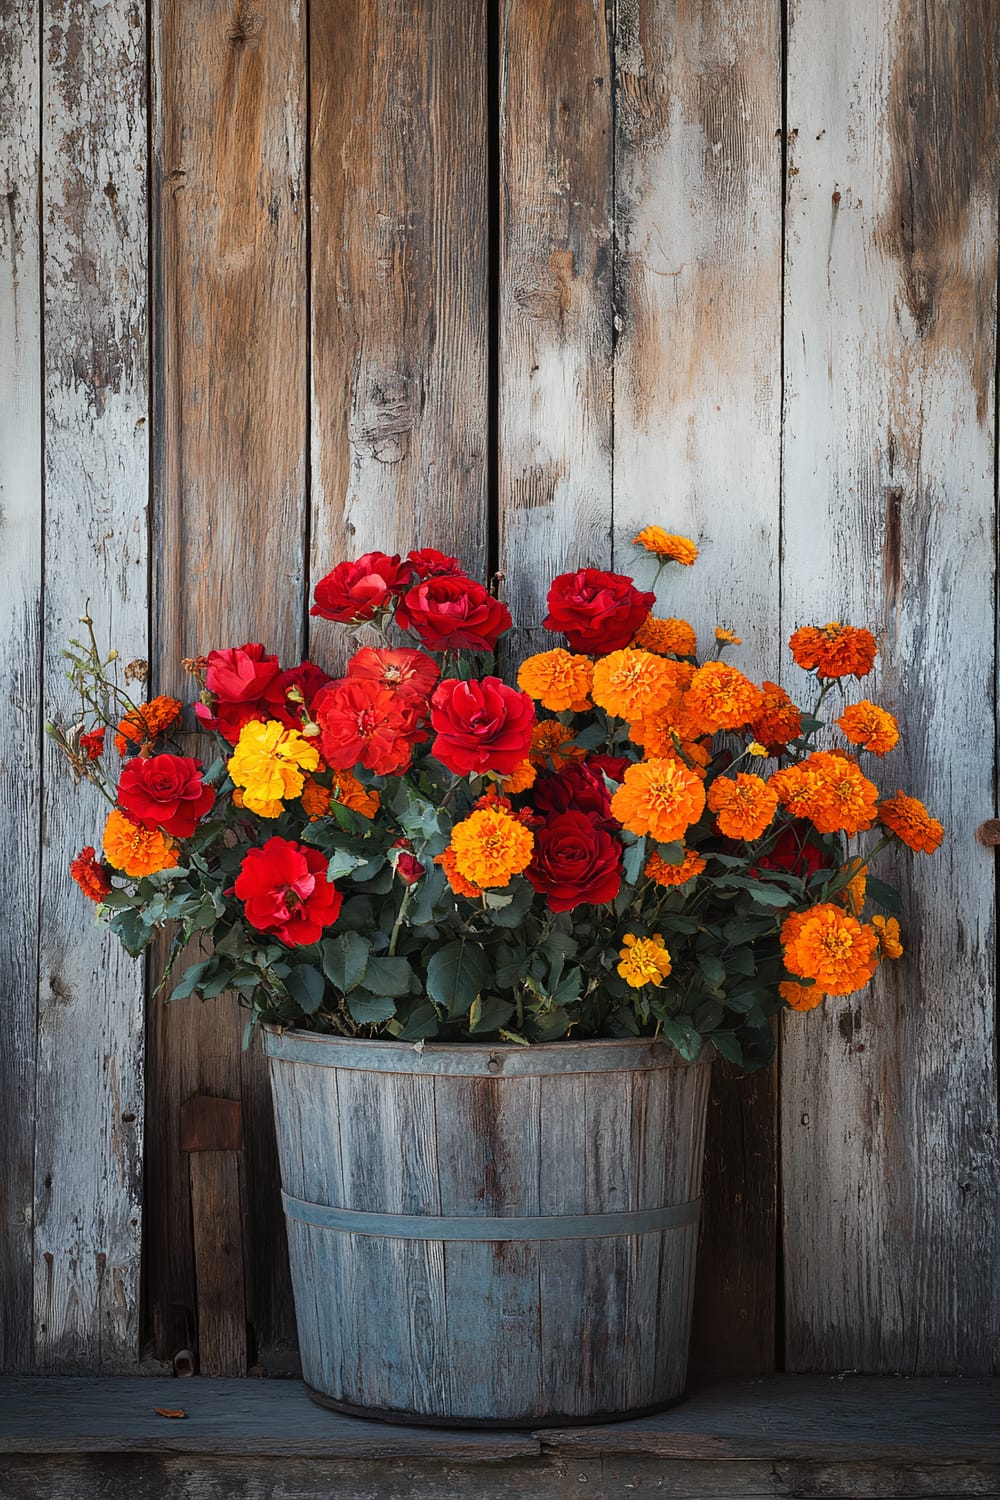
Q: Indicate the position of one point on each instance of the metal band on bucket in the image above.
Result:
(551, 1227)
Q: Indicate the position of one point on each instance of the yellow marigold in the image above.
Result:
(829, 790)
(136, 850)
(632, 684)
(831, 947)
(668, 637)
(353, 794)
(834, 650)
(678, 549)
(778, 720)
(144, 724)
(726, 637)
(550, 742)
(888, 936)
(744, 805)
(757, 750)
(519, 779)
(644, 960)
(852, 895)
(720, 697)
(491, 847)
(457, 881)
(268, 763)
(657, 868)
(869, 726)
(315, 799)
(909, 820)
(662, 797)
(557, 680)
(801, 996)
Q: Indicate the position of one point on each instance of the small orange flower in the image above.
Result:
(678, 549)
(726, 637)
(834, 650)
(557, 680)
(315, 799)
(353, 794)
(720, 697)
(744, 805)
(824, 943)
(644, 960)
(801, 996)
(457, 881)
(828, 789)
(888, 936)
(869, 726)
(519, 779)
(668, 637)
(662, 797)
(852, 895)
(909, 820)
(92, 743)
(778, 720)
(144, 724)
(135, 850)
(632, 684)
(550, 743)
(657, 868)
(90, 875)
(491, 847)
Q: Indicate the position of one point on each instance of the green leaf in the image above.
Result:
(727, 1045)
(342, 863)
(307, 987)
(456, 974)
(389, 976)
(369, 1010)
(713, 969)
(741, 961)
(569, 987)
(131, 930)
(118, 900)
(671, 854)
(190, 980)
(885, 895)
(489, 1013)
(514, 913)
(344, 960)
(769, 895)
(684, 1037)
(590, 737)
(633, 861)
(421, 1022)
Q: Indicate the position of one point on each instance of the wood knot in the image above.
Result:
(988, 833)
(247, 25)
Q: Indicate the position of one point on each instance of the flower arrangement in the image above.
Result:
(629, 841)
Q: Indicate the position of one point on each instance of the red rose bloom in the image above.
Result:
(430, 564)
(244, 683)
(795, 851)
(595, 611)
(453, 614)
(412, 674)
(165, 791)
(356, 591)
(611, 766)
(284, 891)
(364, 723)
(576, 787)
(481, 726)
(576, 860)
(408, 867)
(309, 680)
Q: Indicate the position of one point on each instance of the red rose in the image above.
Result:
(481, 726)
(365, 724)
(576, 860)
(307, 680)
(244, 683)
(356, 591)
(795, 851)
(595, 611)
(453, 614)
(430, 564)
(611, 766)
(408, 867)
(574, 788)
(412, 674)
(284, 891)
(165, 791)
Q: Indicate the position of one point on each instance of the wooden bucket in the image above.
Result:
(490, 1236)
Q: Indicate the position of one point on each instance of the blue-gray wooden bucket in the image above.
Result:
(490, 1235)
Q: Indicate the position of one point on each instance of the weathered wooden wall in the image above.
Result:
(510, 279)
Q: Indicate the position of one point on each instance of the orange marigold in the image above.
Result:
(353, 794)
(869, 726)
(145, 723)
(909, 820)
(632, 684)
(644, 960)
(668, 637)
(657, 869)
(558, 680)
(457, 881)
(852, 895)
(720, 697)
(135, 850)
(829, 790)
(744, 805)
(89, 874)
(315, 799)
(491, 847)
(778, 721)
(828, 945)
(834, 650)
(888, 936)
(801, 996)
(726, 637)
(519, 779)
(662, 797)
(550, 743)
(678, 549)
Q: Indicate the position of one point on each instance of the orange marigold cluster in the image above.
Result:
(834, 650)
(144, 724)
(720, 697)
(657, 869)
(491, 847)
(457, 881)
(829, 790)
(744, 805)
(828, 945)
(632, 684)
(137, 851)
(669, 637)
(558, 680)
(90, 875)
(661, 797)
(778, 721)
(869, 726)
(353, 794)
(550, 741)
(315, 799)
(678, 549)
(909, 820)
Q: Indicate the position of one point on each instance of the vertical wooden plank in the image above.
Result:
(399, 280)
(230, 287)
(697, 393)
(21, 546)
(89, 1089)
(889, 1101)
(556, 328)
